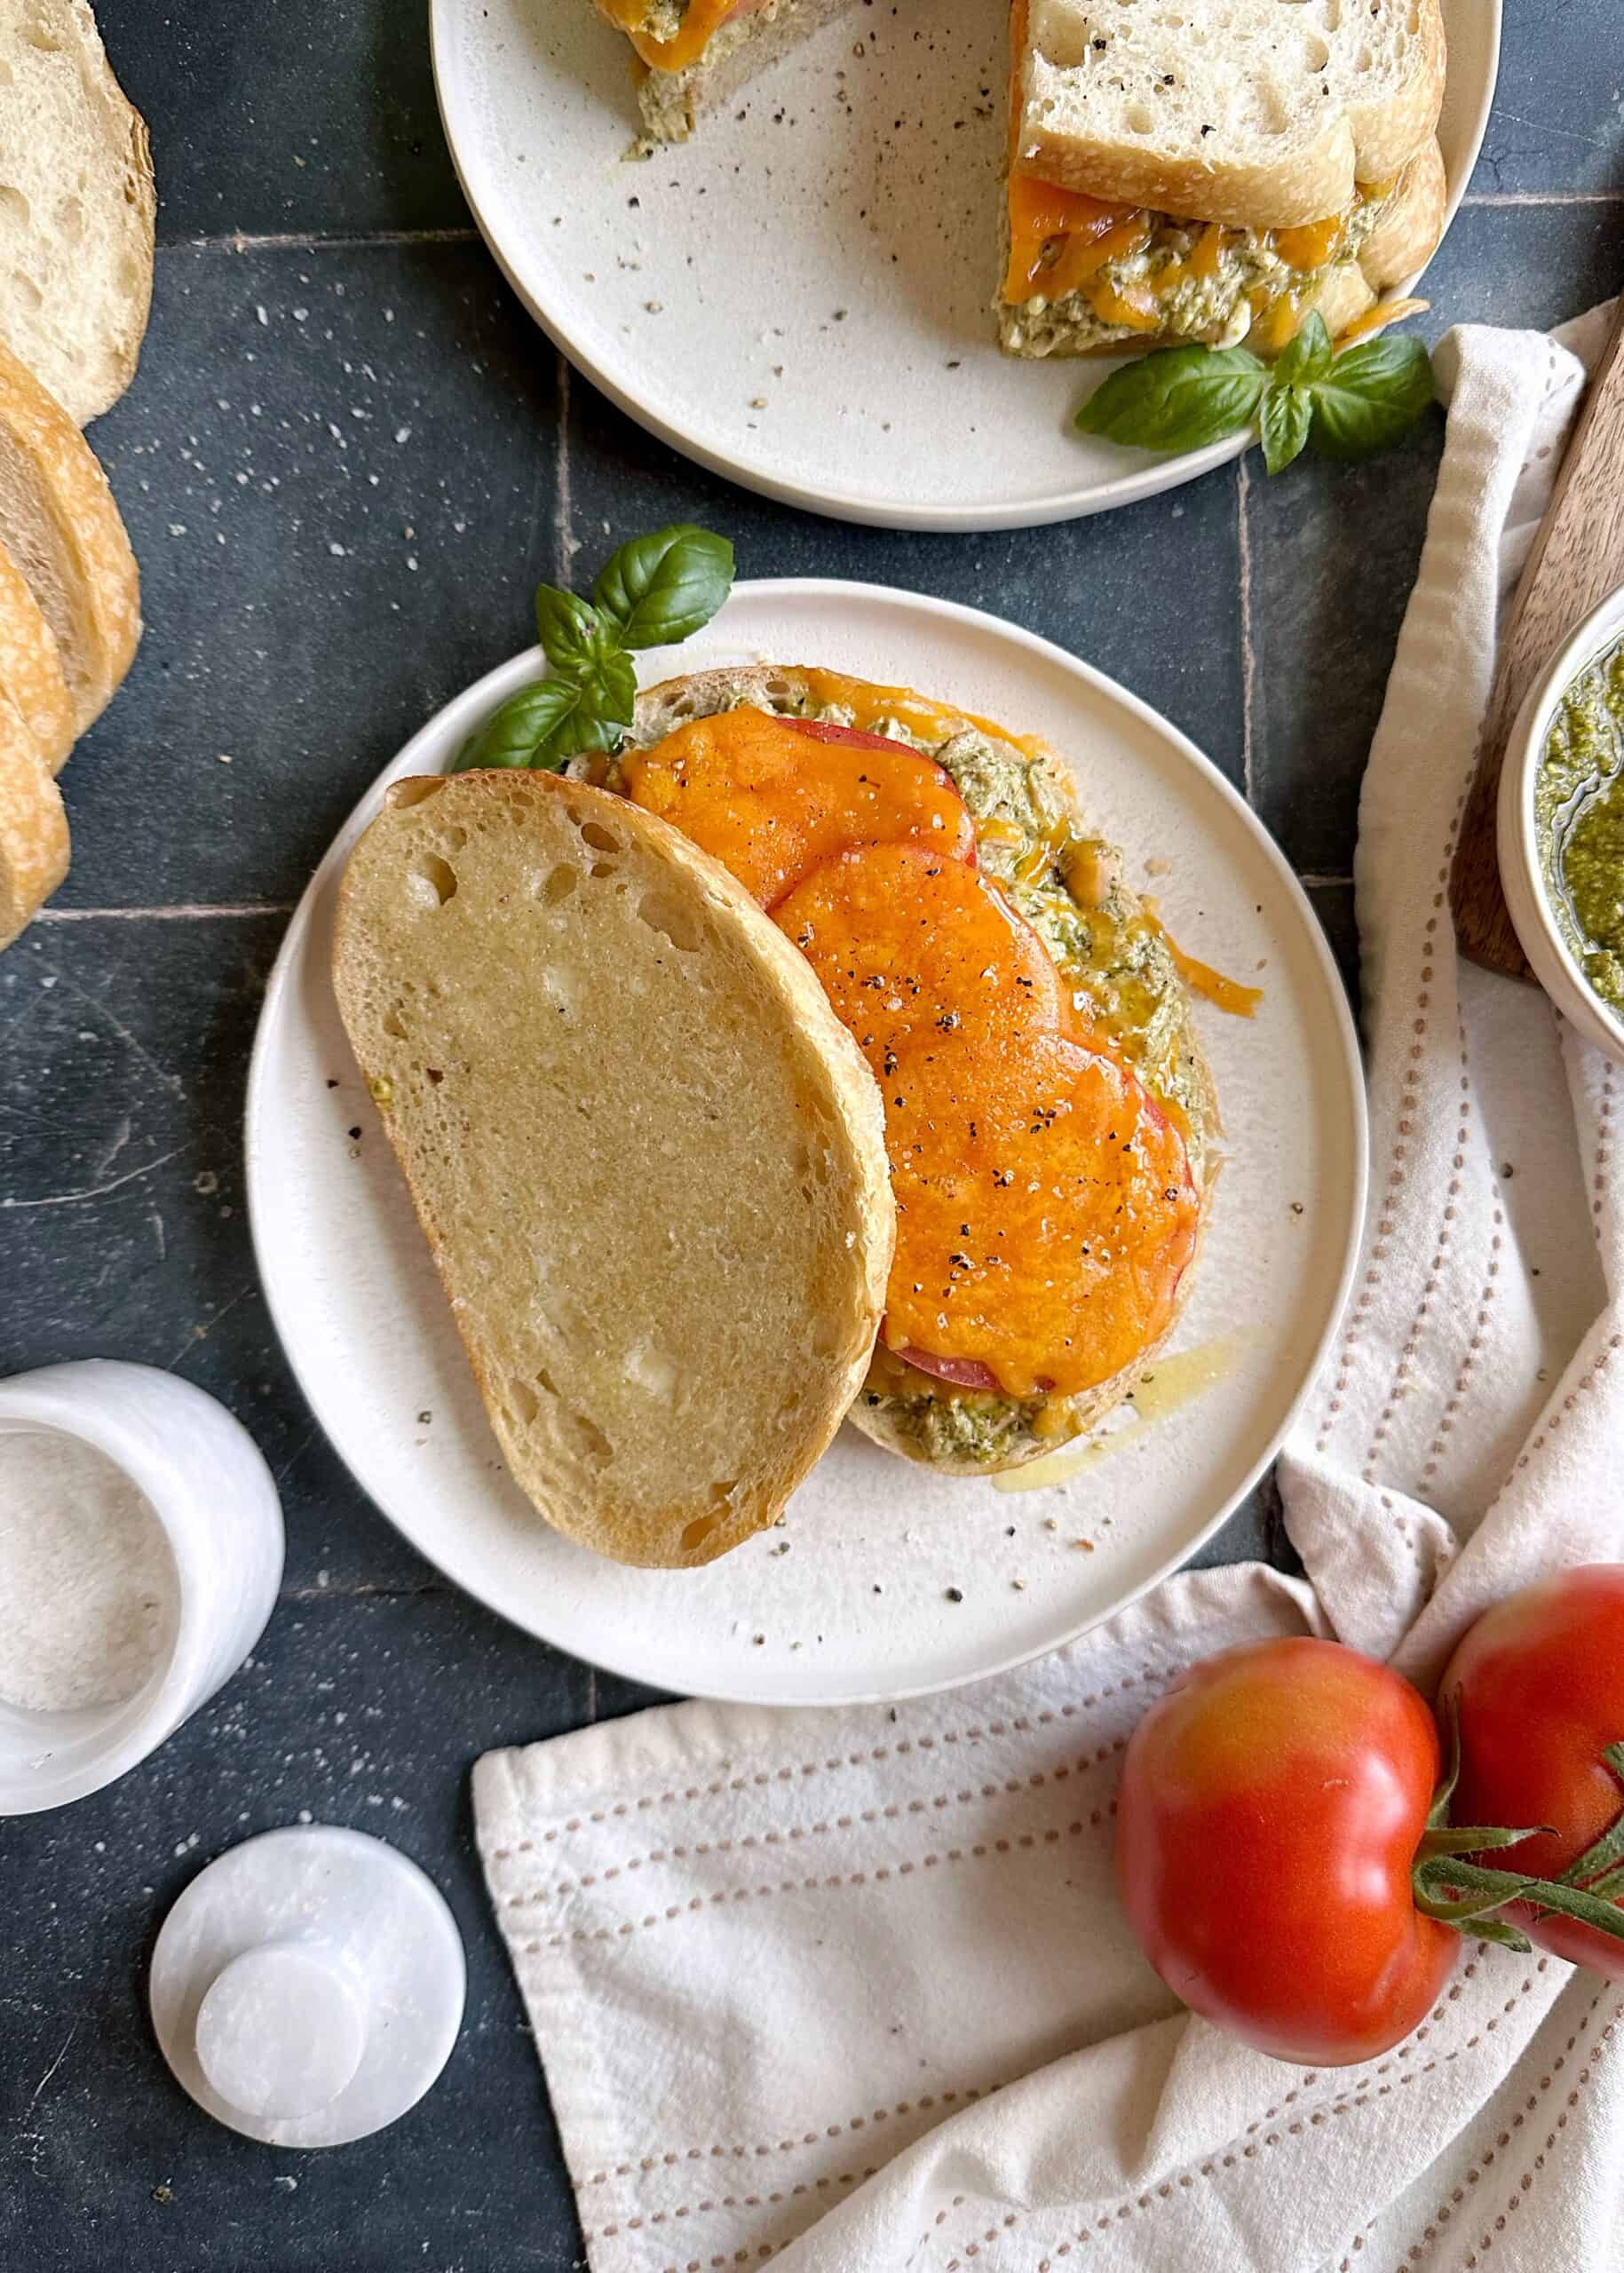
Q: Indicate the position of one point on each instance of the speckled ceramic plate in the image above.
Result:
(798, 295)
(886, 1579)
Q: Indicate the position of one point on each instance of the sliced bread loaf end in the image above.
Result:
(77, 208)
(649, 1159)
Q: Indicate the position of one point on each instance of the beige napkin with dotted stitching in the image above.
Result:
(851, 1989)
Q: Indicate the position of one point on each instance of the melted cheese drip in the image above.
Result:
(870, 706)
(704, 18)
(1223, 993)
(1166, 1387)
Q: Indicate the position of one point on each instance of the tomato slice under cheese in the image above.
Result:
(774, 798)
(907, 944)
(1046, 1212)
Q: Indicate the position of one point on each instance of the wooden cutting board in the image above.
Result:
(1577, 560)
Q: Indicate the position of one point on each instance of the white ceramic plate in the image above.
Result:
(860, 1605)
(797, 296)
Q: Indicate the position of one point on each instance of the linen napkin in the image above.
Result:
(851, 1990)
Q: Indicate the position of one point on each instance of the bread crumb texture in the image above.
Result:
(648, 1159)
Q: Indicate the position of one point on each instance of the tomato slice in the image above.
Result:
(826, 730)
(964, 1373)
(774, 798)
(908, 943)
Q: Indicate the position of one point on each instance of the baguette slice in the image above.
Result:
(60, 526)
(31, 669)
(76, 207)
(1260, 113)
(672, 101)
(649, 1159)
(33, 826)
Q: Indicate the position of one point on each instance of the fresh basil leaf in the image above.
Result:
(1371, 395)
(1288, 414)
(659, 588)
(611, 689)
(571, 632)
(1177, 399)
(1305, 358)
(526, 723)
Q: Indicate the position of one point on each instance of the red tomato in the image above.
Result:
(1270, 1810)
(1541, 1683)
(825, 729)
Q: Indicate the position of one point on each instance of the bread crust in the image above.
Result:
(1369, 142)
(32, 826)
(83, 571)
(31, 668)
(788, 688)
(692, 1519)
(1408, 234)
(86, 383)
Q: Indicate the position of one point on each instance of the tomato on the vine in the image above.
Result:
(1538, 1686)
(1272, 1807)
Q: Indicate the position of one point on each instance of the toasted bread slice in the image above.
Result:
(1260, 113)
(647, 1157)
(901, 1408)
(31, 668)
(60, 526)
(76, 207)
(672, 101)
(33, 826)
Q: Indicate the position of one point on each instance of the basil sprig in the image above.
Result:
(654, 592)
(1344, 405)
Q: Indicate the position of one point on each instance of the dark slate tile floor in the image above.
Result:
(346, 438)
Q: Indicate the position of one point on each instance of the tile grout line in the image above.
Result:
(316, 240)
(1248, 659)
(563, 534)
(243, 240)
(180, 912)
(1544, 197)
(1325, 883)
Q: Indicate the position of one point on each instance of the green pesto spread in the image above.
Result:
(1123, 978)
(1579, 823)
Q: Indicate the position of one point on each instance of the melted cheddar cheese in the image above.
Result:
(702, 19)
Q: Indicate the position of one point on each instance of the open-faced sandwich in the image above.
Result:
(1190, 172)
(668, 1050)
(1048, 1112)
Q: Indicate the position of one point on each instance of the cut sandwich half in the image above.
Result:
(649, 1159)
(1181, 172)
(693, 55)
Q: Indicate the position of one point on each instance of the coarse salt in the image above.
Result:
(88, 1591)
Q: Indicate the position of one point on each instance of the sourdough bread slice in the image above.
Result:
(31, 668)
(76, 207)
(1260, 113)
(901, 1408)
(33, 826)
(60, 526)
(672, 101)
(649, 1159)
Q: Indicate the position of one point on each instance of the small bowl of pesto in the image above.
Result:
(1561, 827)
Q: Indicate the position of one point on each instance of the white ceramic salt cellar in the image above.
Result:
(207, 1485)
(307, 1987)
